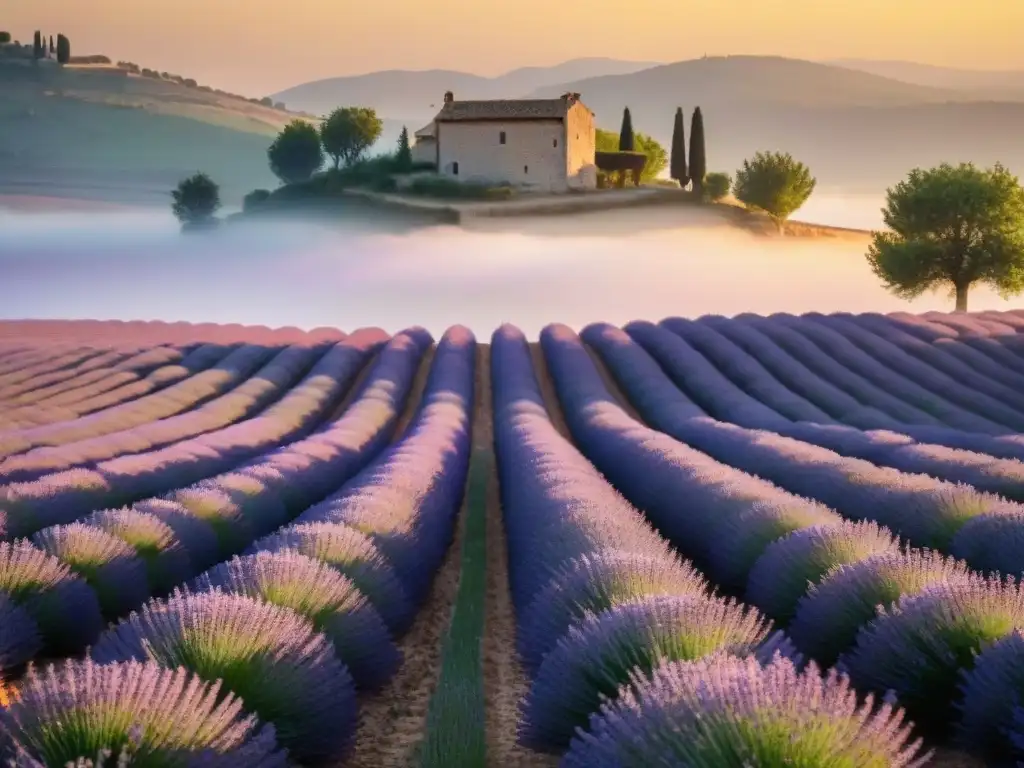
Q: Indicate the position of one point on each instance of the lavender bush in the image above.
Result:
(283, 669)
(993, 694)
(161, 717)
(19, 635)
(154, 541)
(724, 711)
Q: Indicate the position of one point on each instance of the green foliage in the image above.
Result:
(196, 200)
(37, 45)
(63, 49)
(348, 132)
(449, 189)
(403, 158)
(677, 166)
(775, 183)
(295, 155)
(456, 727)
(952, 226)
(616, 165)
(607, 142)
(5, 37)
(255, 199)
(716, 186)
(626, 139)
(698, 152)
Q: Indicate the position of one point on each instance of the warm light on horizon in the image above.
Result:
(263, 46)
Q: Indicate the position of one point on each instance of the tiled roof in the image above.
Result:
(505, 109)
(428, 131)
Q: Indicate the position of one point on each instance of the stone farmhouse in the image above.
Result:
(542, 144)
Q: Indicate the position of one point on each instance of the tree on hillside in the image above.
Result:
(5, 37)
(196, 200)
(657, 157)
(627, 142)
(952, 226)
(403, 158)
(698, 153)
(775, 183)
(296, 154)
(63, 49)
(348, 132)
(677, 165)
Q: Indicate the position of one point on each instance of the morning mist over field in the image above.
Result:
(614, 266)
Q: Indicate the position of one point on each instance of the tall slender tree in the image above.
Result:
(63, 49)
(37, 45)
(698, 154)
(52, 48)
(677, 164)
(626, 141)
(403, 158)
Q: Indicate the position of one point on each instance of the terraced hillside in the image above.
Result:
(757, 541)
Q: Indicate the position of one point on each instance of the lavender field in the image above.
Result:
(784, 540)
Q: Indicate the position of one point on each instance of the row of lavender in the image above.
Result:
(308, 614)
(760, 541)
(605, 608)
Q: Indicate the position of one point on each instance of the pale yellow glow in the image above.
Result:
(261, 46)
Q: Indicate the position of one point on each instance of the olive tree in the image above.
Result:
(775, 183)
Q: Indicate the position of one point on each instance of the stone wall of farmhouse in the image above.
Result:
(424, 151)
(581, 169)
(533, 155)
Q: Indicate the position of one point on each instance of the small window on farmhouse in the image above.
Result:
(455, 169)
(501, 137)
(526, 169)
(554, 142)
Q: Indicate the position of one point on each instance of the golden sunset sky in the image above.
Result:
(261, 46)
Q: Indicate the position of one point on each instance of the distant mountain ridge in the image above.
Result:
(994, 84)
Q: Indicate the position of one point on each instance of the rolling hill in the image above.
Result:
(1001, 84)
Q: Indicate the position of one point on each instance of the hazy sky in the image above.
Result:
(261, 46)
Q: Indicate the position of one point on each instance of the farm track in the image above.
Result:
(392, 721)
(547, 390)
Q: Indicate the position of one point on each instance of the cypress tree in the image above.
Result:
(404, 157)
(37, 45)
(52, 49)
(698, 155)
(677, 162)
(63, 49)
(626, 142)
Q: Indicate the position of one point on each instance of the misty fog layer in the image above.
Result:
(613, 266)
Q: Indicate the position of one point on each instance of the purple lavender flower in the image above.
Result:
(64, 608)
(19, 635)
(781, 576)
(221, 512)
(993, 689)
(828, 617)
(324, 596)
(196, 536)
(918, 647)
(727, 711)
(258, 502)
(285, 671)
(160, 716)
(167, 562)
(595, 658)
(595, 584)
(356, 556)
(108, 564)
(992, 542)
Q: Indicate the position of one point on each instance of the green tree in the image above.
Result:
(627, 142)
(63, 49)
(677, 166)
(952, 226)
(37, 45)
(5, 37)
(775, 183)
(716, 186)
(657, 157)
(196, 200)
(348, 132)
(53, 48)
(403, 158)
(295, 155)
(698, 153)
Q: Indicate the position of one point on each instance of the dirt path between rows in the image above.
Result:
(393, 721)
(547, 390)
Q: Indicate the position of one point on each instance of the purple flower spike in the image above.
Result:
(356, 556)
(992, 690)
(108, 564)
(196, 536)
(284, 670)
(728, 711)
(829, 616)
(19, 635)
(221, 512)
(64, 608)
(595, 584)
(595, 658)
(781, 576)
(324, 596)
(158, 716)
(918, 648)
(167, 562)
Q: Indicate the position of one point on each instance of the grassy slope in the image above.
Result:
(90, 133)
